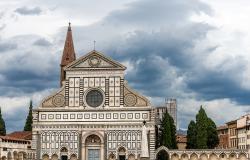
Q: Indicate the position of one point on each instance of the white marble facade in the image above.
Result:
(94, 115)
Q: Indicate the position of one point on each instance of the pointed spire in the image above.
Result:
(68, 52)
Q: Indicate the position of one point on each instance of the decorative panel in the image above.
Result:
(114, 91)
(74, 92)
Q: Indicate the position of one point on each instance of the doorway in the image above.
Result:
(122, 157)
(64, 157)
(93, 154)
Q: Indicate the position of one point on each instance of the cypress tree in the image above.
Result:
(201, 127)
(157, 137)
(168, 132)
(29, 121)
(2, 124)
(191, 135)
(203, 133)
(173, 133)
(212, 139)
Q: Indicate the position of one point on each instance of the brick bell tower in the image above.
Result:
(68, 53)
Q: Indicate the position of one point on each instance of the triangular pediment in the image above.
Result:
(95, 60)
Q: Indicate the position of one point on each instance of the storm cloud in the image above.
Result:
(167, 54)
(29, 11)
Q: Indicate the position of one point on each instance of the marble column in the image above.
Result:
(144, 143)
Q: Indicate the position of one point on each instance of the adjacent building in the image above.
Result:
(170, 106)
(16, 146)
(223, 137)
(243, 132)
(232, 134)
(235, 134)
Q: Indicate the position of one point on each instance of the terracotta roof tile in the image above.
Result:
(222, 127)
(13, 139)
(26, 135)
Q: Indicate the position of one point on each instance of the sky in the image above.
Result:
(196, 51)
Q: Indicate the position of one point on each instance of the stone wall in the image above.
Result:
(208, 154)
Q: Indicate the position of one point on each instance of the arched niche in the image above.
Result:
(242, 156)
(184, 156)
(73, 157)
(131, 157)
(222, 156)
(111, 156)
(193, 156)
(213, 156)
(203, 156)
(9, 156)
(15, 155)
(54, 157)
(175, 156)
(232, 156)
(45, 157)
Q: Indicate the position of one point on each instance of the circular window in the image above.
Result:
(94, 98)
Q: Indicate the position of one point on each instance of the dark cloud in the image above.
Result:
(28, 68)
(42, 42)
(156, 14)
(7, 46)
(218, 85)
(29, 11)
(22, 82)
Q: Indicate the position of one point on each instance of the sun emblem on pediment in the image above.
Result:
(94, 61)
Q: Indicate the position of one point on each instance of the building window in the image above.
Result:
(94, 98)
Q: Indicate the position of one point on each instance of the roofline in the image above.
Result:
(14, 139)
(231, 122)
(101, 54)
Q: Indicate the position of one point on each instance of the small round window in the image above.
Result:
(94, 98)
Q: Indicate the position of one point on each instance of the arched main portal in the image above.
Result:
(93, 147)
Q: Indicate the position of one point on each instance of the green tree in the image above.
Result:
(29, 121)
(191, 135)
(168, 132)
(2, 124)
(203, 133)
(157, 137)
(173, 133)
(201, 128)
(212, 139)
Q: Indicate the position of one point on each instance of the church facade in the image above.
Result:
(95, 115)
